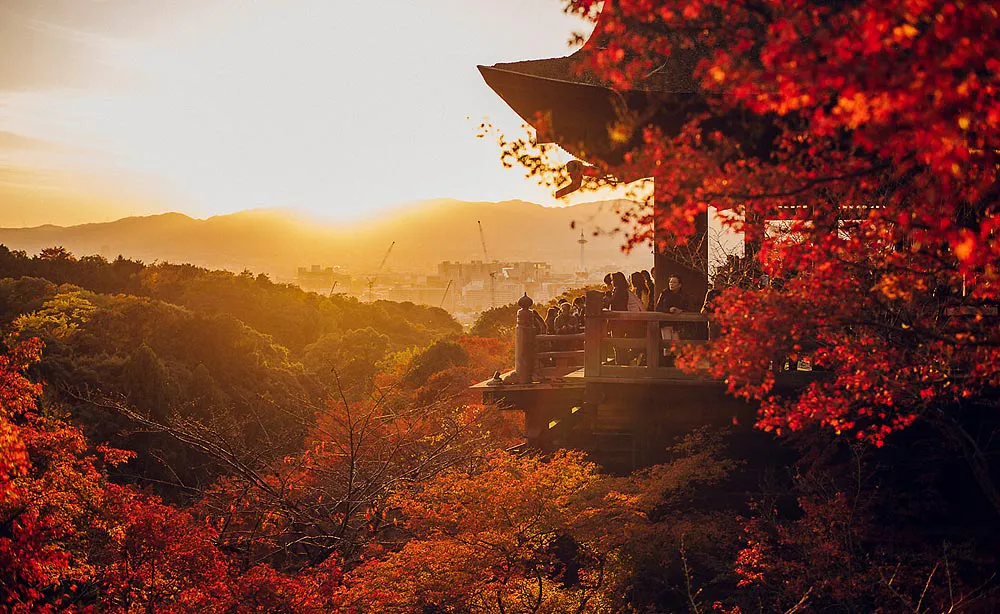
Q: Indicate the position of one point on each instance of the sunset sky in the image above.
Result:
(339, 108)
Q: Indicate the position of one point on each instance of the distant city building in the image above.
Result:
(463, 288)
(322, 279)
(482, 285)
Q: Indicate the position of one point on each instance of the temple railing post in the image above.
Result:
(524, 342)
(594, 334)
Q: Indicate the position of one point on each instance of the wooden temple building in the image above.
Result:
(585, 116)
(572, 391)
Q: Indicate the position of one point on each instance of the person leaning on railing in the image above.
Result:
(673, 301)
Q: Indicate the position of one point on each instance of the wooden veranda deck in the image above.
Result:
(617, 346)
(613, 391)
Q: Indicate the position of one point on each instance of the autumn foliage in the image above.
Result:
(871, 129)
(854, 144)
(389, 506)
(330, 458)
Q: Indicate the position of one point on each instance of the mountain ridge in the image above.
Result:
(277, 241)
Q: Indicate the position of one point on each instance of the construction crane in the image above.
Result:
(482, 239)
(445, 295)
(385, 257)
(371, 280)
(334, 287)
(493, 274)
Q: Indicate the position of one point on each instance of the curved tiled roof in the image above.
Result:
(675, 76)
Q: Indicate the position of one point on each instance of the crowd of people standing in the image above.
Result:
(621, 293)
(636, 293)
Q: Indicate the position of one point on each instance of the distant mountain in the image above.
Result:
(277, 242)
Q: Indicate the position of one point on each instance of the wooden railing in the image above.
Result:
(558, 355)
(615, 344)
(637, 344)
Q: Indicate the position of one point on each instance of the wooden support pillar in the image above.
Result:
(524, 342)
(753, 235)
(698, 285)
(594, 334)
(653, 351)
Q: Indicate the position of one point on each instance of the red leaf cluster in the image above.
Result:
(872, 129)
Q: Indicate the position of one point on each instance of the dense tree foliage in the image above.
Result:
(871, 129)
(378, 513)
(349, 469)
(280, 464)
(498, 322)
(855, 146)
(208, 348)
(293, 317)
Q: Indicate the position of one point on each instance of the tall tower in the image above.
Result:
(582, 242)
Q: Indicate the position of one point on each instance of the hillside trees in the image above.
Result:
(294, 318)
(330, 497)
(197, 361)
(353, 357)
(70, 541)
(509, 535)
(171, 363)
(420, 508)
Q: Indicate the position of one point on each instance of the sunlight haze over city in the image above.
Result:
(337, 109)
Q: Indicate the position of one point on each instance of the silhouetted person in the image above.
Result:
(623, 299)
(540, 327)
(580, 305)
(640, 289)
(550, 320)
(651, 298)
(565, 322)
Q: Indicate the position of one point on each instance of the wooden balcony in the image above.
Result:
(613, 391)
(615, 347)
(624, 346)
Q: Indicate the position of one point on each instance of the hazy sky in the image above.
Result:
(341, 108)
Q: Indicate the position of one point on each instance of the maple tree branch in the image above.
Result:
(692, 596)
(805, 187)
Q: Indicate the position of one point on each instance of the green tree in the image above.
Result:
(436, 358)
(497, 322)
(148, 382)
(58, 318)
(353, 357)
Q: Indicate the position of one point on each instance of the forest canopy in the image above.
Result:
(174, 439)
